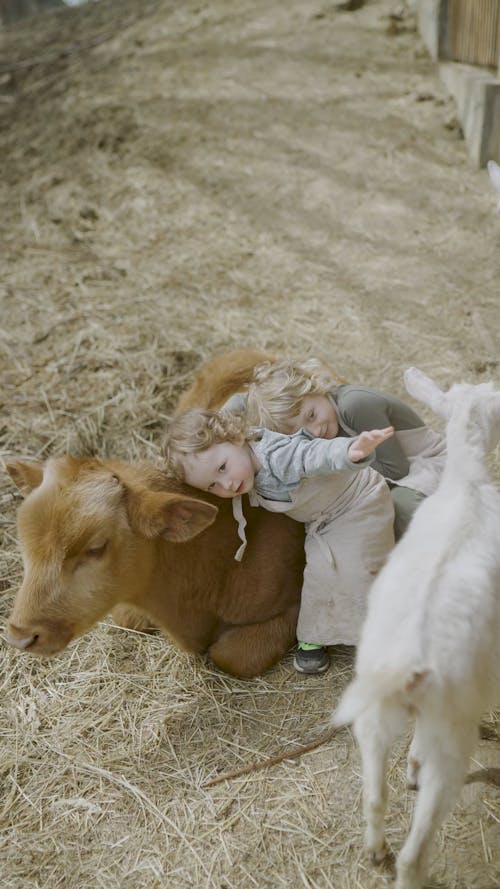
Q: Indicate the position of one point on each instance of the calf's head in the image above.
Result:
(89, 532)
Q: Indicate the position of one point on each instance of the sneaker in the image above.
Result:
(311, 660)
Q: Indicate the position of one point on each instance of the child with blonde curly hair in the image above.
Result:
(288, 396)
(326, 484)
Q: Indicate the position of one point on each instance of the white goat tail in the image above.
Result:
(352, 703)
(404, 688)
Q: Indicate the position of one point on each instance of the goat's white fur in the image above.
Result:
(430, 643)
(494, 174)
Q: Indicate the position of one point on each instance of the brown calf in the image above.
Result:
(95, 533)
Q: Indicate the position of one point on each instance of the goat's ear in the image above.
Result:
(26, 476)
(424, 389)
(172, 516)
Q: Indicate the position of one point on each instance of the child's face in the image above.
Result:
(317, 415)
(224, 469)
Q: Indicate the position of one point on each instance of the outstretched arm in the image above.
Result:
(366, 442)
(290, 458)
(363, 408)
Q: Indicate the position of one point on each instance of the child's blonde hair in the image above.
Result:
(196, 430)
(278, 389)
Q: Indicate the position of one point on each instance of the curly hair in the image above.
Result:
(196, 430)
(275, 396)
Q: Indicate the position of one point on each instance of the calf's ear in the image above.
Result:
(172, 516)
(26, 476)
(186, 517)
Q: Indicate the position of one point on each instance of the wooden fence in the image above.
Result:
(473, 31)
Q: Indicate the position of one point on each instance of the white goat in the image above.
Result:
(430, 645)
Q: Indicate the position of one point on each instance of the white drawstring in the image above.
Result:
(242, 523)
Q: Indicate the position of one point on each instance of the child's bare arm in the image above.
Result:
(366, 442)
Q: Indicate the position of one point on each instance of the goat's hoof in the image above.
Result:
(383, 859)
(377, 856)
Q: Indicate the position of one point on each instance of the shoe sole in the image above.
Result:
(300, 669)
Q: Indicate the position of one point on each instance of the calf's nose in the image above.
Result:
(20, 637)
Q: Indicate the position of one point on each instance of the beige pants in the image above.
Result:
(349, 522)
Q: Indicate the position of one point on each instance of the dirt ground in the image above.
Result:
(178, 179)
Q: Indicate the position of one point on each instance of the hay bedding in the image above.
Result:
(179, 179)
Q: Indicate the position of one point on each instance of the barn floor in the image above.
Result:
(178, 179)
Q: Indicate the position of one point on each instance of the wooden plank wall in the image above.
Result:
(474, 32)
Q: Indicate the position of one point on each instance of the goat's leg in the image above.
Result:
(414, 760)
(251, 649)
(444, 760)
(375, 730)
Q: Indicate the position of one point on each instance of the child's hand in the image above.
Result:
(366, 442)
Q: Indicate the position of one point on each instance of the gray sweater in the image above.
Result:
(285, 460)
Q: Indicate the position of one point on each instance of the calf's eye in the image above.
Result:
(95, 552)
